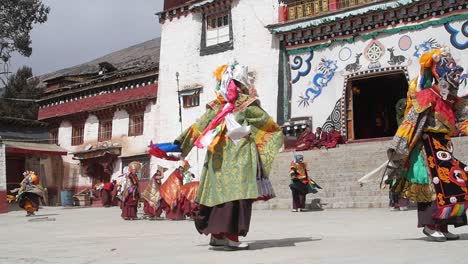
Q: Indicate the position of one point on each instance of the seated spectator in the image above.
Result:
(308, 140)
(332, 138)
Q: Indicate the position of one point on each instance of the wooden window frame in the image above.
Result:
(136, 124)
(105, 130)
(191, 100)
(77, 137)
(53, 135)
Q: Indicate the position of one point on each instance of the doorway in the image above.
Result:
(15, 166)
(371, 104)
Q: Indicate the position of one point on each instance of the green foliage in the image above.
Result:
(17, 18)
(19, 94)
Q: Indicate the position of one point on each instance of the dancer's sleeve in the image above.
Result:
(266, 133)
(187, 139)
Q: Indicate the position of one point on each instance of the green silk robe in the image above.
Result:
(230, 171)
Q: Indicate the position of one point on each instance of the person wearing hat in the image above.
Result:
(131, 194)
(241, 141)
(301, 184)
(422, 150)
(151, 194)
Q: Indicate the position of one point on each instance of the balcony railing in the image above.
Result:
(301, 9)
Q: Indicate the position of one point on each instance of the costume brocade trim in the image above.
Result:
(429, 98)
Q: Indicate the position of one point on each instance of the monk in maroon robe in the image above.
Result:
(130, 196)
(308, 140)
(151, 194)
(332, 138)
(106, 194)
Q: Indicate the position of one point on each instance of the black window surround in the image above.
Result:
(218, 48)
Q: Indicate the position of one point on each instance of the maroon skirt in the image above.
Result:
(130, 209)
(231, 217)
(148, 210)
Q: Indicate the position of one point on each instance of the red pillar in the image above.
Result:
(333, 5)
(3, 202)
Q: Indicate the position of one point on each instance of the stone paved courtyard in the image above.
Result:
(98, 235)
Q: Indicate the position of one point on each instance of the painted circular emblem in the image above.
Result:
(436, 180)
(345, 54)
(405, 42)
(374, 52)
(453, 199)
(443, 155)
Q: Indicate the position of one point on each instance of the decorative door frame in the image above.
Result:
(350, 77)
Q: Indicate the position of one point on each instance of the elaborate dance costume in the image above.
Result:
(151, 194)
(30, 193)
(242, 141)
(170, 193)
(301, 184)
(131, 194)
(422, 151)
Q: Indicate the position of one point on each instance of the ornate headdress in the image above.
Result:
(135, 166)
(439, 68)
(231, 71)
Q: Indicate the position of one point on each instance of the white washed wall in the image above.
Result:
(409, 44)
(135, 145)
(254, 46)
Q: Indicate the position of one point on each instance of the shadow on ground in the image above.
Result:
(463, 236)
(283, 242)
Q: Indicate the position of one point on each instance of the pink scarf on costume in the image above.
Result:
(232, 95)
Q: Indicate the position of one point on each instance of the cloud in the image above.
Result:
(79, 31)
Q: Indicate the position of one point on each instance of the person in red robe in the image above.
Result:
(131, 195)
(188, 193)
(308, 140)
(170, 194)
(106, 194)
(332, 138)
(151, 195)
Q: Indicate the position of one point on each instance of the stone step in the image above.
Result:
(337, 171)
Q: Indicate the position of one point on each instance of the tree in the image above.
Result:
(16, 21)
(21, 90)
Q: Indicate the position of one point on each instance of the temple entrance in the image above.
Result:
(371, 104)
(15, 166)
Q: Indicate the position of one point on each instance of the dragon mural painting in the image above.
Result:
(324, 74)
(318, 73)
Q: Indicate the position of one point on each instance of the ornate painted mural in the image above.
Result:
(317, 74)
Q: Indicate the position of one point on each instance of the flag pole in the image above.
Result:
(178, 98)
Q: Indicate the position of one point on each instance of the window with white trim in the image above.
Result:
(217, 28)
(217, 33)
